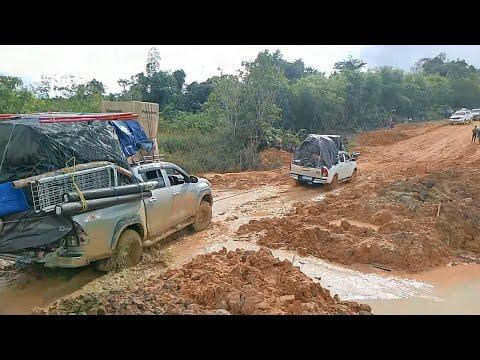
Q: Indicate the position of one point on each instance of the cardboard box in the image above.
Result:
(148, 115)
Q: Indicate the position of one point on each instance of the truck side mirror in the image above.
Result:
(193, 179)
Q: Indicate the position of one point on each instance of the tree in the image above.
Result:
(349, 64)
(179, 76)
(153, 61)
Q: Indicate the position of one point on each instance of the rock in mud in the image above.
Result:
(101, 311)
(345, 225)
(222, 312)
(365, 307)
(361, 312)
(286, 299)
(302, 251)
(37, 311)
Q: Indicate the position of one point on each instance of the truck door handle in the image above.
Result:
(152, 199)
(176, 193)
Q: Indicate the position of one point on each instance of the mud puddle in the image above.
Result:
(21, 292)
(456, 288)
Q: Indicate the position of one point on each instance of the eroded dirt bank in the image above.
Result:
(226, 282)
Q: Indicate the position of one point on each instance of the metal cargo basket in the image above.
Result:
(48, 192)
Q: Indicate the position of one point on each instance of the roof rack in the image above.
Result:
(148, 159)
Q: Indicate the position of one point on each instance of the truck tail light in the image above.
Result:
(324, 171)
(77, 237)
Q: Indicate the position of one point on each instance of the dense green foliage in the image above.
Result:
(222, 123)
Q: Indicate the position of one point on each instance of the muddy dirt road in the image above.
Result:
(412, 211)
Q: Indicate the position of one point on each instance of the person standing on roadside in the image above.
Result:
(474, 134)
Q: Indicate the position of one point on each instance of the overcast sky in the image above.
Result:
(108, 63)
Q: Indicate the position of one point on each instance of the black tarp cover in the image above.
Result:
(317, 150)
(29, 148)
(28, 229)
(337, 139)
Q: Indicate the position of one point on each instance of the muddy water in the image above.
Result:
(456, 290)
(22, 292)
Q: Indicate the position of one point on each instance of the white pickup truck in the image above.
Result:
(463, 116)
(318, 161)
(344, 170)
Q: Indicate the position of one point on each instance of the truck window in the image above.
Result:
(154, 175)
(347, 157)
(177, 176)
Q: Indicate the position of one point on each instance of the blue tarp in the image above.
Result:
(11, 200)
(132, 137)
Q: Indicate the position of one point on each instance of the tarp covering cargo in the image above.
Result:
(28, 229)
(316, 151)
(11, 200)
(337, 139)
(29, 148)
(132, 137)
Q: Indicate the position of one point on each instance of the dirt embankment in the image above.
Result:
(234, 282)
(269, 159)
(413, 213)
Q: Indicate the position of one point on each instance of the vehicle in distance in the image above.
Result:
(476, 114)
(318, 160)
(461, 117)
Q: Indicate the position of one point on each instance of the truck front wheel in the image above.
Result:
(203, 218)
(127, 253)
(353, 177)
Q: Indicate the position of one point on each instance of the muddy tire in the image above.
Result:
(299, 183)
(353, 178)
(127, 253)
(333, 184)
(203, 218)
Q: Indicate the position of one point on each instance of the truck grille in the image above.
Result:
(48, 192)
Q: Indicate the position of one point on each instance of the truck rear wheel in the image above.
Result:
(203, 218)
(333, 184)
(127, 253)
(299, 183)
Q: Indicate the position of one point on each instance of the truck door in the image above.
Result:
(184, 194)
(342, 167)
(159, 207)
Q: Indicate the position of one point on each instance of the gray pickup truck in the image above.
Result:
(114, 237)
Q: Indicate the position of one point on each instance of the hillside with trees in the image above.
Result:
(221, 124)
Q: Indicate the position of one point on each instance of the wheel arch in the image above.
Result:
(205, 196)
(134, 223)
(208, 198)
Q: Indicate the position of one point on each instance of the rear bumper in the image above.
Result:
(314, 180)
(68, 260)
(52, 260)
